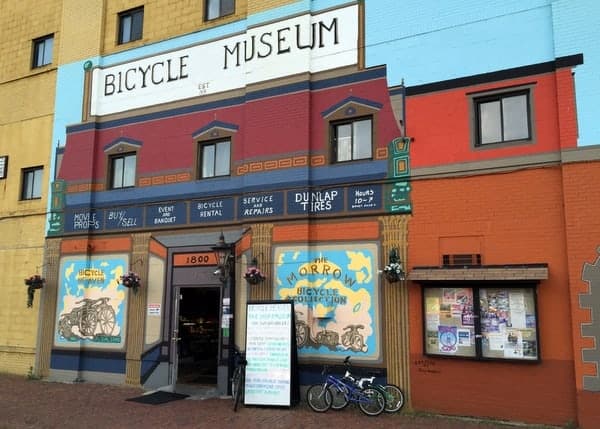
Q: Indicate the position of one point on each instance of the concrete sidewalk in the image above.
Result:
(28, 403)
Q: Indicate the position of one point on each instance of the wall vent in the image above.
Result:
(461, 260)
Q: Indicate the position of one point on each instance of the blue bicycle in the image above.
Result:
(320, 396)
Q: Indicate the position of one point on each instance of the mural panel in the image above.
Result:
(92, 304)
(336, 298)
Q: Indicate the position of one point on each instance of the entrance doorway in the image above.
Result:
(198, 326)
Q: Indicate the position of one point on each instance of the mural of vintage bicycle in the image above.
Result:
(352, 340)
(91, 303)
(94, 319)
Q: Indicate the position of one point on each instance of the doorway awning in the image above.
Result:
(531, 272)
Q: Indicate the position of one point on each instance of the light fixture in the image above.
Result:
(223, 254)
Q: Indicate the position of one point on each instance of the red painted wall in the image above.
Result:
(440, 124)
(269, 128)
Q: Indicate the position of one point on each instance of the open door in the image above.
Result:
(196, 321)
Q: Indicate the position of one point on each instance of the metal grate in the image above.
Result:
(461, 260)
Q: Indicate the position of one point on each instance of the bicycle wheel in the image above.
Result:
(239, 391)
(371, 402)
(318, 398)
(394, 398)
(339, 397)
(235, 386)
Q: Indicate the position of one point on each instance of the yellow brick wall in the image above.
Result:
(26, 117)
(255, 6)
(81, 30)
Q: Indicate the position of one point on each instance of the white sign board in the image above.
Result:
(305, 43)
(269, 353)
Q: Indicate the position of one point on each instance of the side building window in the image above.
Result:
(352, 140)
(218, 8)
(31, 183)
(42, 51)
(502, 117)
(215, 158)
(481, 322)
(123, 170)
(131, 24)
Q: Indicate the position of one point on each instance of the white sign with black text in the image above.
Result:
(305, 43)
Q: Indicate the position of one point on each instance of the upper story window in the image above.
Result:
(352, 140)
(503, 117)
(42, 51)
(123, 170)
(218, 8)
(215, 158)
(131, 24)
(31, 184)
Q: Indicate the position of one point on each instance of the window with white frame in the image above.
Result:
(42, 51)
(503, 117)
(352, 140)
(215, 158)
(123, 170)
(481, 322)
(31, 183)
(218, 8)
(131, 25)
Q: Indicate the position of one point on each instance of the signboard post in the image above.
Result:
(271, 373)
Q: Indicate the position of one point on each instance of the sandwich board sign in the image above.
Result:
(271, 373)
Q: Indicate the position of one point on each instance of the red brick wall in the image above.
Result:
(519, 219)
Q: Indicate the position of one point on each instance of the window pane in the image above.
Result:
(449, 321)
(362, 139)
(125, 28)
(129, 171)
(117, 173)
(137, 25)
(208, 161)
(27, 184)
(227, 7)
(514, 114)
(489, 122)
(222, 159)
(36, 191)
(344, 142)
(508, 323)
(48, 45)
(212, 9)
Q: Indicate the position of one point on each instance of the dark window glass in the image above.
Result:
(42, 51)
(123, 171)
(352, 140)
(131, 24)
(503, 118)
(218, 8)
(32, 183)
(215, 159)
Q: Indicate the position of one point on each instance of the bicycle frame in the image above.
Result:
(350, 390)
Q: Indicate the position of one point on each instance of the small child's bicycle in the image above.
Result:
(394, 398)
(319, 397)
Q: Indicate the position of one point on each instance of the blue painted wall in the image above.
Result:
(427, 41)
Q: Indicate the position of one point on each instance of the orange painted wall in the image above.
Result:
(582, 202)
(518, 218)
